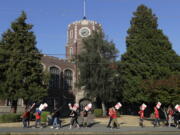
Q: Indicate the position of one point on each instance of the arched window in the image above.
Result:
(71, 51)
(68, 79)
(54, 78)
(71, 34)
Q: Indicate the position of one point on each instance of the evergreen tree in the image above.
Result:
(4, 59)
(149, 57)
(23, 70)
(96, 68)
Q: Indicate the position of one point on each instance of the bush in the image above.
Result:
(44, 116)
(10, 117)
(98, 112)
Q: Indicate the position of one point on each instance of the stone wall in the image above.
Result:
(7, 109)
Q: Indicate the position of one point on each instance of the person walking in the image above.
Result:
(38, 118)
(141, 114)
(85, 118)
(26, 116)
(38, 114)
(177, 119)
(110, 117)
(113, 115)
(170, 113)
(55, 117)
(177, 116)
(74, 115)
(85, 114)
(156, 115)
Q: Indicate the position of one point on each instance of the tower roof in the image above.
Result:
(84, 22)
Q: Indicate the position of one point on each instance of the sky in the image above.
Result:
(51, 18)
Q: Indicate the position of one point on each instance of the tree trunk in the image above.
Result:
(103, 108)
(164, 109)
(13, 109)
(14, 106)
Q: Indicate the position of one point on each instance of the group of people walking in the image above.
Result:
(172, 114)
(75, 113)
(26, 116)
(53, 119)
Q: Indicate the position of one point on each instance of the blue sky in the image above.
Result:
(51, 18)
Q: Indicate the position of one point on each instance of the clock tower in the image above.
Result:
(76, 32)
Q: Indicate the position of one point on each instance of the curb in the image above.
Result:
(92, 133)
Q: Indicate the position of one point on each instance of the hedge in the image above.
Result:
(98, 112)
(10, 117)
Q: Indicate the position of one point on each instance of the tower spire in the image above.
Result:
(84, 10)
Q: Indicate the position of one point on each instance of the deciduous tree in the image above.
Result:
(96, 68)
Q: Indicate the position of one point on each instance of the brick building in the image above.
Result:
(63, 72)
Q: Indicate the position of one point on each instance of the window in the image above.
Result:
(54, 78)
(68, 79)
(71, 34)
(71, 51)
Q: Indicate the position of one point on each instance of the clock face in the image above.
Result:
(84, 32)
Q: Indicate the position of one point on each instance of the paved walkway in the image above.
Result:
(129, 125)
(96, 129)
(124, 120)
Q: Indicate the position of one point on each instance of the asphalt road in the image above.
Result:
(94, 130)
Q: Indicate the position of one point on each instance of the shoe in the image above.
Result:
(57, 128)
(154, 125)
(52, 127)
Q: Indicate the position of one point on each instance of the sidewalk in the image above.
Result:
(124, 120)
(95, 130)
(128, 125)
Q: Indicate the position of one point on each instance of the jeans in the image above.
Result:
(115, 123)
(156, 122)
(25, 124)
(38, 122)
(109, 123)
(74, 120)
(56, 122)
(170, 120)
(85, 122)
(141, 122)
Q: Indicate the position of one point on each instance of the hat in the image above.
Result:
(158, 105)
(118, 105)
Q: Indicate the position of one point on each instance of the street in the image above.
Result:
(95, 129)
